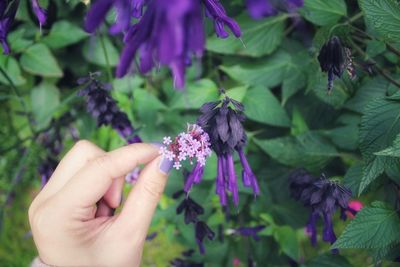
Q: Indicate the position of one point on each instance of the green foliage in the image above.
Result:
(351, 134)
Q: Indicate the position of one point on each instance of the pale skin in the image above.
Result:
(72, 218)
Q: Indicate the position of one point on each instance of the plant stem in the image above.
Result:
(103, 47)
(18, 95)
(376, 66)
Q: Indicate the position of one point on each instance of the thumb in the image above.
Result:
(142, 201)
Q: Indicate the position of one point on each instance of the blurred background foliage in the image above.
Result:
(292, 123)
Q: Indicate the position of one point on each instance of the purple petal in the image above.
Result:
(39, 12)
(260, 8)
(97, 14)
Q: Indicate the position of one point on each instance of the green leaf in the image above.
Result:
(328, 260)
(45, 100)
(393, 151)
(262, 106)
(344, 137)
(353, 177)
(11, 67)
(375, 47)
(259, 37)
(64, 33)
(308, 150)
(379, 127)
(373, 227)
(268, 72)
(369, 90)
(383, 16)
(287, 240)
(39, 60)
(94, 53)
(237, 93)
(195, 95)
(323, 12)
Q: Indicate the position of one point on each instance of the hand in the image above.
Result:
(72, 217)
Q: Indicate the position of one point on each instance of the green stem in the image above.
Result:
(348, 22)
(103, 47)
(376, 66)
(18, 95)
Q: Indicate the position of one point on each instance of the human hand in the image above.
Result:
(72, 218)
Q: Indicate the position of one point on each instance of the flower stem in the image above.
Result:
(108, 66)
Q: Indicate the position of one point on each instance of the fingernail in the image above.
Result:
(165, 165)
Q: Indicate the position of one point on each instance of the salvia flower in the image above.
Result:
(222, 120)
(193, 144)
(40, 12)
(201, 232)
(104, 108)
(249, 231)
(191, 210)
(265, 8)
(168, 32)
(186, 262)
(324, 197)
(8, 9)
(334, 58)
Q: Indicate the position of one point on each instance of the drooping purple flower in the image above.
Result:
(186, 262)
(222, 120)
(215, 9)
(8, 9)
(39, 12)
(169, 33)
(334, 58)
(250, 231)
(260, 8)
(189, 207)
(324, 197)
(104, 108)
(202, 231)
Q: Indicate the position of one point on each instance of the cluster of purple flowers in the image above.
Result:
(192, 210)
(264, 8)
(166, 33)
(334, 58)
(222, 120)
(104, 108)
(249, 231)
(195, 143)
(324, 197)
(8, 9)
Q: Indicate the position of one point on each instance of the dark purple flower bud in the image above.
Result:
(151, 236)
(39, 12)
(222, 120)
(215, 10)
(46, 169)
(260, 8)
(202, 231)
(8, 9)
(185, 263)
(311, 227)
(250, 231)
(191, 210)
(332, 59)
(104, 108)
(294, 4)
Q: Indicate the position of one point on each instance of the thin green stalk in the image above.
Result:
(348, 22)
(18, 95)
(103, 46)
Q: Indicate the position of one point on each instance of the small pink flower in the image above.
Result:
(236, 262)
(354, 205)
(194, 144)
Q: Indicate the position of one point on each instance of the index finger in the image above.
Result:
(92, 181)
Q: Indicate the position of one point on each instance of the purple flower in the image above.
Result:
(202, 231)
(178, 262)
(169, 33)
(324, 197)
(215, 10)
(224, 126)
(104, 108)
(7, 16)
(260, 8)
(334, 58)
(294, 4)
(190, 208)
(39, 12)
(250, 231)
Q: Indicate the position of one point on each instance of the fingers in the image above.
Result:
(93, 180)
(81, 153)
(142, 201)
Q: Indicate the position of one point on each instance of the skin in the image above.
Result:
(72, 218)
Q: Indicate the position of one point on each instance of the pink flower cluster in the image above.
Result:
(195, 143)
